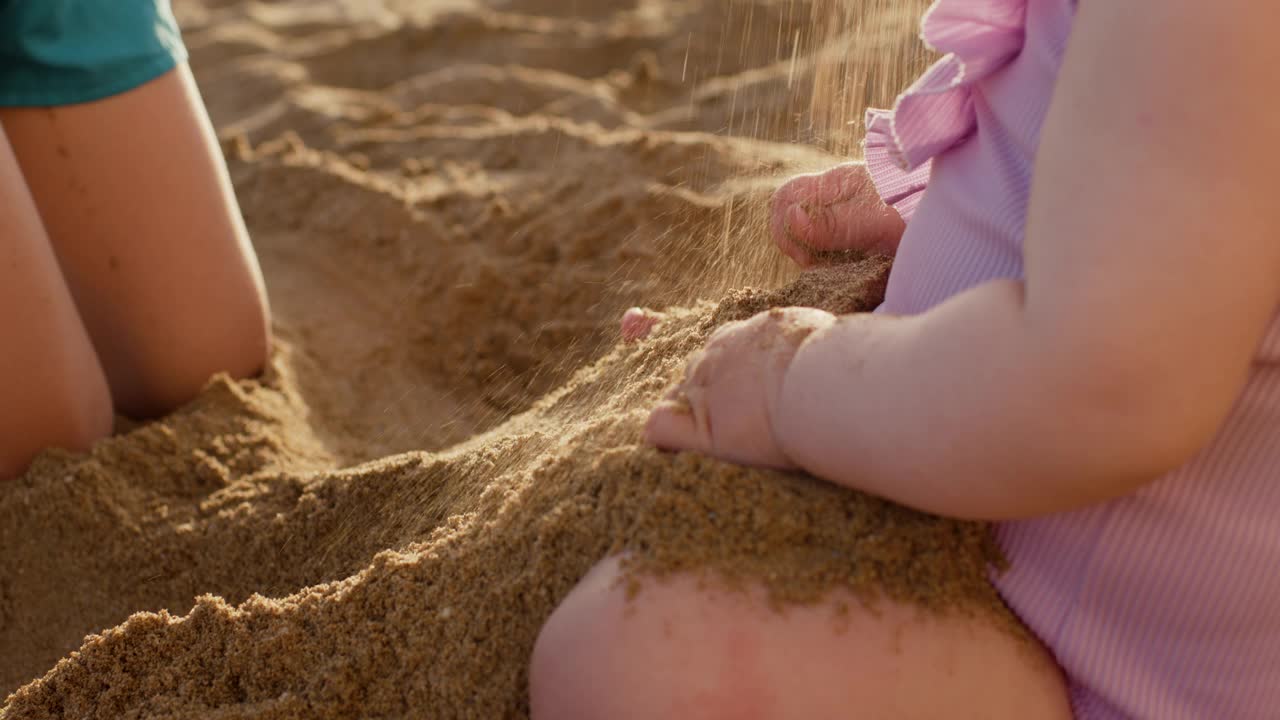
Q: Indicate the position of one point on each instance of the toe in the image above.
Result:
(637, 323)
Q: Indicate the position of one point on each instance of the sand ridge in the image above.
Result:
(453, 203)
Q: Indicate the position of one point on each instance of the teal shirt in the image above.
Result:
(62, 52)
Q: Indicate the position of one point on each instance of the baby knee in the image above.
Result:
(604, 655)
(679, 649)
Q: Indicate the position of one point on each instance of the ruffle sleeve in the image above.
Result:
(936, 113)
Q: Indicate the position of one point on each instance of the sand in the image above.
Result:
(453, 203)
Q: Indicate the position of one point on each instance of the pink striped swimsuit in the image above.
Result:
(1163, 604)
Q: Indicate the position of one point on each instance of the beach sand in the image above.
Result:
(454, 202)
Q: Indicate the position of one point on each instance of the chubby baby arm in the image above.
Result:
(1149, 286)
(965, 411)
(993, 405)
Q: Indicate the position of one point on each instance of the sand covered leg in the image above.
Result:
(681, 650)
(138, 206)
(52, 390)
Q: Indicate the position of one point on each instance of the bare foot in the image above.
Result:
(638, 322)
(833, 214)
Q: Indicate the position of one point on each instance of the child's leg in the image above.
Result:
(52, 390)
(138, 206)
(678, 651)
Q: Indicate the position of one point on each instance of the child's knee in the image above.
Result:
(241, 349)
(604, 655)
(160, 376)
(681, 650)
(71, 414)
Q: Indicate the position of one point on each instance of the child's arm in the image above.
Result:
(1152, 271)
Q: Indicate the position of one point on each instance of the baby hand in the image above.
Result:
(724, 405)
(812, 216)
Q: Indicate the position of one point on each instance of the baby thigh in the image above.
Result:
(681, 650)
(52, 390)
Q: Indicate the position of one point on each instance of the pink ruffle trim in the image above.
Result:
(936, 112)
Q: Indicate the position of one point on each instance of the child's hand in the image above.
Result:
(724, 405)
(831, 213)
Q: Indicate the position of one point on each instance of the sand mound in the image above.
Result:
(453, 203)
(486, 539)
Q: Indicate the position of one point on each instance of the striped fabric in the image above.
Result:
(1164, 604)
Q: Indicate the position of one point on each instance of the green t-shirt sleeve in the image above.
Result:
(62, 52)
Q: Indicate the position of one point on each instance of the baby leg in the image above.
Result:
(52, 390)
(139, 208)
(681, 651)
